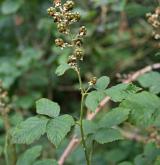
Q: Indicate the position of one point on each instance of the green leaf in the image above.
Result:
(62, 69)
(93, 99)
(157, 162)
(121, 91)
(148, 157)
(114, 117)
(27, 101)
(98, 3)
(28, 56)
(16, 118)
(10, 6)
(102, 83)
(89, 127)
(107, 135)
(152, 81)
(134, 9)
(145, 108)
(29, 130)
(120, 153)
(47, 107)
(29, 156)
(46, 162)
(58, 128)
(125, 163)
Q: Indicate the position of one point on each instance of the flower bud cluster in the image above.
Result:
(3, 99)
(154, 136)
(154, 20)
(64, 16)
(92, 81)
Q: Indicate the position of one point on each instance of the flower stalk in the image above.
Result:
(64, 17)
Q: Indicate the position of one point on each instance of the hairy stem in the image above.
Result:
(83, 93)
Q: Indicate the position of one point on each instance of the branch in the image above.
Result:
(135, 75)
(132, 136)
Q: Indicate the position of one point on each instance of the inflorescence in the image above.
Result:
(3, 100)
(154, 20)
(64, 16)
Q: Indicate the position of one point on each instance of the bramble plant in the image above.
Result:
(136, 106)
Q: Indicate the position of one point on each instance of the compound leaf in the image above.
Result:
(145, 108)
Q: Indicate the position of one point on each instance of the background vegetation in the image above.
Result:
(119, 40)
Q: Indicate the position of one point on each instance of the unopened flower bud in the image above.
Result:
(157, 36)
(79, 53)
(72, 61)
(92, 81)
(62, 27)
(157, 11)
(59, 42)
(68, 5)
(51, 11)
(57, 3)
(77, 42)
(82, 31)
(77, 16)
(69, 16)
(57, 17)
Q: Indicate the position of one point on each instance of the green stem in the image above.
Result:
(6, 150)
(81, 117)
(10, 158)
(91, 152)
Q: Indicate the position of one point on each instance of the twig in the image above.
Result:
(133, 136)
(134, 76)
(75, 141)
